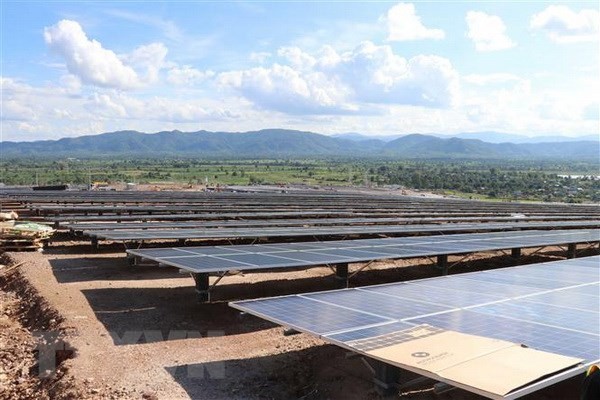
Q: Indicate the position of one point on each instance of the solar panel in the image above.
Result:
(538, 336)
(573, 319)
(562, 319)
(574, 299)
(329, 319)
(278, 231)
(441, 295)
(360, 250)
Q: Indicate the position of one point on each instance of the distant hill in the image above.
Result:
(499, 137)
(289, 144)
(490, 137)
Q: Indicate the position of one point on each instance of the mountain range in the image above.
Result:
(491, 137)
(290, 144)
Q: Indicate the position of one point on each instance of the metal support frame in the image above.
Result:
(362, 268)
(134, 244)
(386, 377)
(515, 252)
(341, 274)
(537, 251)
(590, 245)
(463, 259)
(572, 250)
(202, 286)
(442, 263)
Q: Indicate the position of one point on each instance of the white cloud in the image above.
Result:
(92, 64)
(296, 57)
(564, 25)
(71, 84)
(491, 79)
(591, 112)
(187, 75)
(151, 58)
(118, 105)
(87, 59)
(488, 32)
(404, 24)
(13, 110)
(260, 57)
(351, 82)
(285, 89)
(377, 75)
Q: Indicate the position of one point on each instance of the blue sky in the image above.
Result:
(76, 68)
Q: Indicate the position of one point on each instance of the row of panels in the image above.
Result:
(553, 307)
(317, 231)
(289, 255)
(78, 227)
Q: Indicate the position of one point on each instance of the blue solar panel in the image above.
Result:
(590, 290)
(365, 250)
(296, 311)
(537, 336)
(547, 314)
(365, 333)
(556, 274)
(515, 280)
(258, 259)
(569, 298)
(379, 304)
(207, 263)
(441, 295)
(476, 286)
(207, 251)
(350, 253)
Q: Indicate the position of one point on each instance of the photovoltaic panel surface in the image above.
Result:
(281, 255)
(562, 319)
(291, 231)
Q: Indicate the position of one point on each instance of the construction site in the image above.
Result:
(305, 294)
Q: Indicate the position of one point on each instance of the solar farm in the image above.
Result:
(314, 294)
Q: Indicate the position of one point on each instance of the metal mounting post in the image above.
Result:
(572, 250)
(386, 377)
(442, 263)
(341, 273)
(131, 260)
(94, 241)
(202, 286)
(515, 253)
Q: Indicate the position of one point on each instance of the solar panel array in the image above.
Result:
(338, 230)
(83, 226)
(283, 255)
(553, 307)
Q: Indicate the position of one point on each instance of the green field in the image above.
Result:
(522, 180)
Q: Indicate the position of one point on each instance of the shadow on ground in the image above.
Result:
(86, 269)
(318, 372)
(147, 315)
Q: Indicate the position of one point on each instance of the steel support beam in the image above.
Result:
(386, 377)
(442, 263)
(572, 250)
(515, 253)
(341, 274)
(202, 286)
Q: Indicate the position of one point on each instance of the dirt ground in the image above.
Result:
(125, 332)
